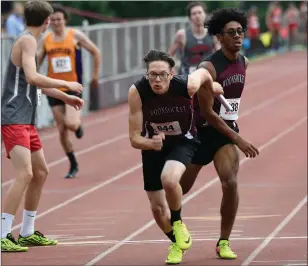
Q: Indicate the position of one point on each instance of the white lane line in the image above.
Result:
(275, 232)
(192, 195)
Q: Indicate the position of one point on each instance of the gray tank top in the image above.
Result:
(194, 51)
(19, 99)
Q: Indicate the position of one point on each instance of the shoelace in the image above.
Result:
(181, 231)
(12, 239)
(41, 237)
(225, 245)
(38, 233)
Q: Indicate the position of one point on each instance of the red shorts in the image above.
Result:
(22, 135)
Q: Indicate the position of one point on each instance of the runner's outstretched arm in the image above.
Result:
(72, 100)
(28, 52)
(202, 77)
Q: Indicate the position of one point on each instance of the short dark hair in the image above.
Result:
(36, 11)
(191, 5)
(221, 17)
(157, 55)
(59, 8)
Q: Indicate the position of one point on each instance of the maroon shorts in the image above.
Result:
(22, 135)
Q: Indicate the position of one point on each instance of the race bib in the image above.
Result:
(170, 128)
(61, 64)
(233, 114)
(192, 69)
(39, 94)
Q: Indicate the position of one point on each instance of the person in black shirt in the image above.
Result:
(217, 127)
(161, 125)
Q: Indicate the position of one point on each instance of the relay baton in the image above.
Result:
(224, 102)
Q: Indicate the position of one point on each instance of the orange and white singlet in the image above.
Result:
(61, 57)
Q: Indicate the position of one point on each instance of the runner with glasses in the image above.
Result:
(161, 125)
(217, 128)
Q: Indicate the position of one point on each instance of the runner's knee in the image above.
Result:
(229, 183)
(159, 210)
(40, 175)
(170, 180)
(171, 175)
(71, 125)
(25, 176)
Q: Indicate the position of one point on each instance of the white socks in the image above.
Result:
(27, 227)
(6, 226)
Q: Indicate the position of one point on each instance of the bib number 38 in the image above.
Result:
(233, 114)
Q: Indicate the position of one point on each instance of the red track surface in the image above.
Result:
(112, 222)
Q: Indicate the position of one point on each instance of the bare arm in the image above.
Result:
(135, 121)
(202, 77)
(206, 101)
(178, 42)
(198, 78)
(55, 93)
(28, 50)
(86, 43)
(71, 100)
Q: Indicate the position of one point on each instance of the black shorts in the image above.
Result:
(182, 151)
(54, 101)
(211, 141)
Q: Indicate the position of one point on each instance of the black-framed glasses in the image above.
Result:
(153, 76)
(232, 32)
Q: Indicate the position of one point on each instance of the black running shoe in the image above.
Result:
(72, 172)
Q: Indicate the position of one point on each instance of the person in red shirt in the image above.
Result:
(273, 22)
(303, 20)
(292, 20)
(253, 24)
(253, 30)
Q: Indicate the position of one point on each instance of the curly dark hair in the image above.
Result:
(221, 17)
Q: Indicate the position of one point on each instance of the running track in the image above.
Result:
(102, 217)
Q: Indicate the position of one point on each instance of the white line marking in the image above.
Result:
(264, 262)
(192, 195)
(272, 100)
(79, 230)
(81, 195)
(295, 264)
(84, 224)
(163, 241)
(74, 238)
(91, 148)
(92, 218)
(95, 121)
(275, 232)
